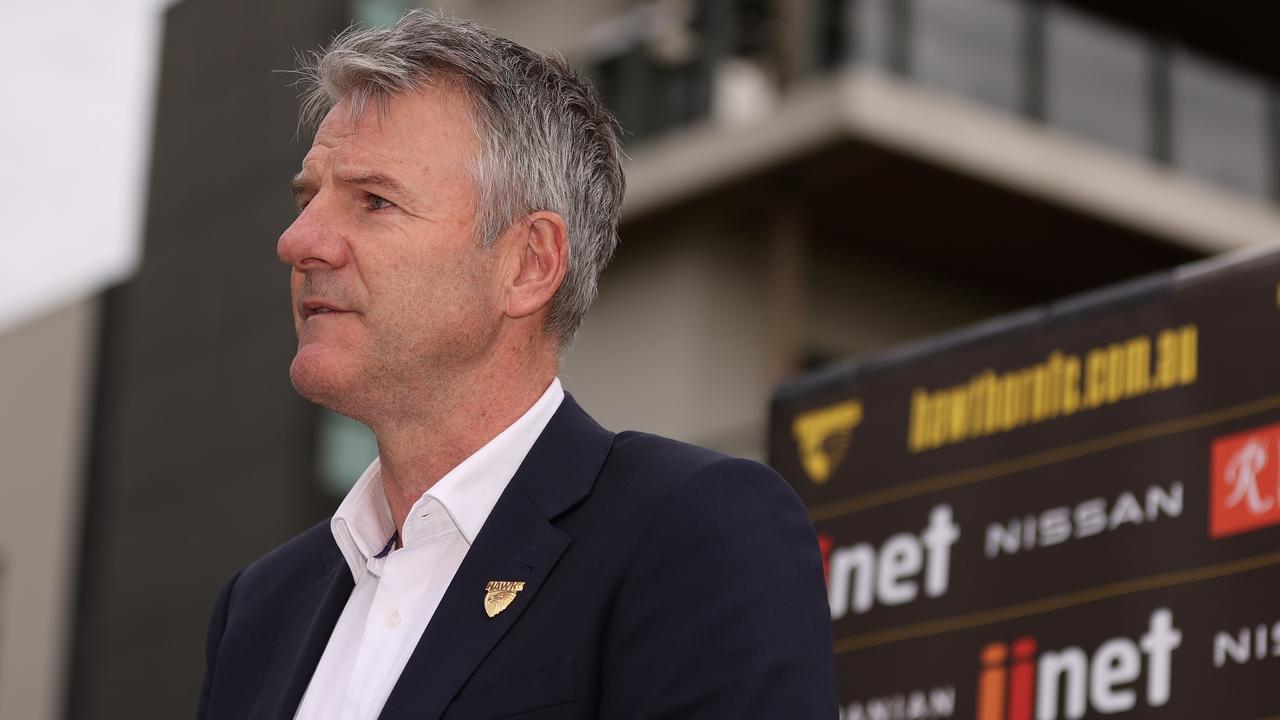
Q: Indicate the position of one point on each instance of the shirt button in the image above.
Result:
(392, 619)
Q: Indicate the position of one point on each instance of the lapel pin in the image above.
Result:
(499, 594)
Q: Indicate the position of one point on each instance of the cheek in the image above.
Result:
(435, 303)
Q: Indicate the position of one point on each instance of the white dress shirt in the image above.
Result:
(398, 590)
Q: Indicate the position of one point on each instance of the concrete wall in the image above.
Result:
(46, 368)
(703, 313)
(678, 341)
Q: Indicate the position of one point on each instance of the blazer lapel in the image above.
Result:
(309, 621)
(517, 543)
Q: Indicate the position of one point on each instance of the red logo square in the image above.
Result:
(1246, 481)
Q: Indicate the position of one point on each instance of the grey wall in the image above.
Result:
(201, 457)
(45, 381)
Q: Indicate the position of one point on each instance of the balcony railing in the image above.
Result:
(671, 63)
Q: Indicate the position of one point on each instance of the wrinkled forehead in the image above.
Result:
(435, 120)
(359, 104)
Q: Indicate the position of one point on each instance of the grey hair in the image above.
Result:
(547, 140)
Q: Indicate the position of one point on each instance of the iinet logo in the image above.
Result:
(893, 573)
(1067, 683)
(1246, 482)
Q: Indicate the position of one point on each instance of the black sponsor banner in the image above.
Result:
(1196, 648)
(1059, 475)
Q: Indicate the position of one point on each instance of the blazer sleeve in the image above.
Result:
(724, 610)
(217, 624)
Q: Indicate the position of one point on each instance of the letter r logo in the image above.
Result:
(1245, 492)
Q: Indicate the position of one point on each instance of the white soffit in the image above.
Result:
(954, 132)
(80, 79)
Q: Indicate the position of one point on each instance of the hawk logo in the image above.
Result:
(823, 436)
(499, 594)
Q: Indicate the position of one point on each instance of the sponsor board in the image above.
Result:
(1067, 514)
(1198, 647)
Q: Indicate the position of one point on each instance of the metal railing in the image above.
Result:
(678, 62)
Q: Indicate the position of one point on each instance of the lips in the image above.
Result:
(312, 308)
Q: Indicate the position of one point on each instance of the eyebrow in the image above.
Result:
(299, 185)
(375, 179)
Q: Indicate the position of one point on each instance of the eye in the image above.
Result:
(378, 203)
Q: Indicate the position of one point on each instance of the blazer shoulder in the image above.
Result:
(668, 469)
(654, 453)
(721, 578)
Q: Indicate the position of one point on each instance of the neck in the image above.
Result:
(450, 424)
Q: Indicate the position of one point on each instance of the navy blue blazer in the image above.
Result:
(661, 580)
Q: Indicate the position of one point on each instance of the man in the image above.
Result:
(505, 556)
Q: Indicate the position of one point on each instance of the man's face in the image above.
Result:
(392, 296)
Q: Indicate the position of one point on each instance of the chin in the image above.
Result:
(320, 379)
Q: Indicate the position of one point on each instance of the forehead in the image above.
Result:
(430, 128)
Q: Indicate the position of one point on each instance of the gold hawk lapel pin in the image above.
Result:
(499, 594)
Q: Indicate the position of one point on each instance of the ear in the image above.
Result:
(538, 259)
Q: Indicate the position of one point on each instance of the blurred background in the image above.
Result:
(808, 179)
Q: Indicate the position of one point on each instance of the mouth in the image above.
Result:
(313, 308)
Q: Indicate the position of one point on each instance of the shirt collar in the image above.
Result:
(362, 524)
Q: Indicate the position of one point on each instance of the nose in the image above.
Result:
(314, 241)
